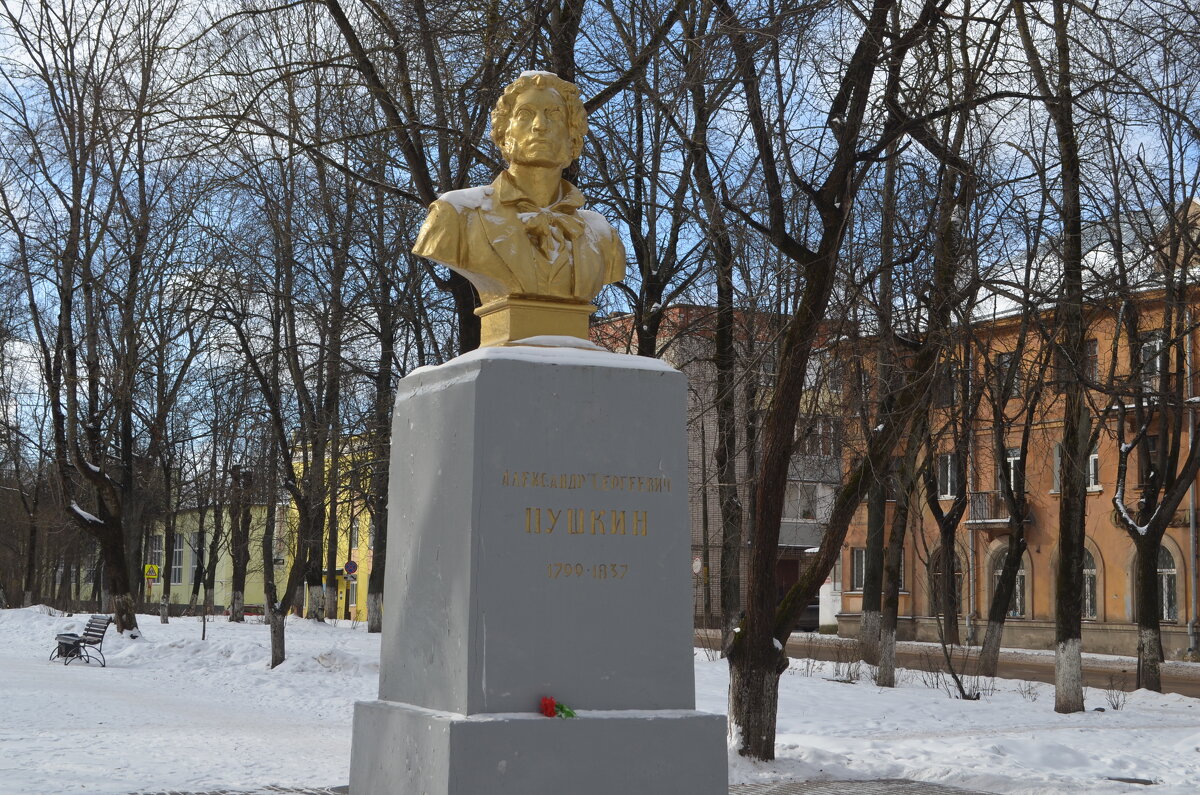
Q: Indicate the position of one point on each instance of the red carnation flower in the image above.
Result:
(549, 708)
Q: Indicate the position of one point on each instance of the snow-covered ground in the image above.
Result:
(172, 711)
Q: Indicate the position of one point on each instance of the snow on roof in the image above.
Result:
(1113, 252)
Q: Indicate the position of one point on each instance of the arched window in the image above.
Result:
(1168, 608)
(935, 579)
(1016, 603)
(1089, 584)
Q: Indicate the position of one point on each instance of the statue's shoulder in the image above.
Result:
(598, 224)
(444, 232)
(612, 250)
(459, 201)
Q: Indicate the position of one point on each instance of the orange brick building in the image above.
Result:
(1142, 365)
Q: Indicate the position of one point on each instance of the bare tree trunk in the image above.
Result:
(948, 588)
(873, 566)
(894, 556)
(315, 602)
(754, 695)
(30, 562)
(1148, 596)
(275, 609)
(217, 475)
(331, 531)
(1068, 596)
(724, 358)
(872, 591)
(169, 542)
(198, 570)
(989, 654)
(277, 621)
(239, 539)
(375, 583)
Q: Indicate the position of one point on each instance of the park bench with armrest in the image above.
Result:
(70, 646)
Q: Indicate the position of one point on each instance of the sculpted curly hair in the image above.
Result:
(576, 115)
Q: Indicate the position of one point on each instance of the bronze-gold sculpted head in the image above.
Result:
(576, 115)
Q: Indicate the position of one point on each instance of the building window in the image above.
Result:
(1150, 462)
(936, 567)
(1012, 471)
(155, 554)
(823, 372)
(800, 502)
(1008, 365)
(1089, 373)
(1089, 585)
(1153, 354)
(891, 481)
(768, 366)
(1016, 602)
(1091, 361)
(197, 545)
(858, 568)
(947, 475)
(1093, 469)
(945, 385)
(818, 436)
(900, 572)
(1168, 609)
(863, 379)
(1056, 484)
(354, 524)
(177, 559)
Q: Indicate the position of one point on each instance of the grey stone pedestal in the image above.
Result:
(538, 545)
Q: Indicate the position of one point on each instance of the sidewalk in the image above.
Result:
(886, 787)
(891, 787)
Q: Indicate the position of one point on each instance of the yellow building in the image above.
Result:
(188, 552)
(354, 544)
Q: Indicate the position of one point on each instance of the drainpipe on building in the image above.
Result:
(1191, 497)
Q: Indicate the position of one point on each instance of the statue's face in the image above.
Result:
(537, 130)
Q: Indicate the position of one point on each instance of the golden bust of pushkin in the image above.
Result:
(534, 254)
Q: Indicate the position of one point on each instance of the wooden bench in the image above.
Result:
(69, 646)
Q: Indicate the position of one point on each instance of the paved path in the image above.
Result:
(888, 787)
(892, 787)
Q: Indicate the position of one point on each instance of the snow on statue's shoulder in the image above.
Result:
(469, 198)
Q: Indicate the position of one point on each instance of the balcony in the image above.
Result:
(988, 509)
(815, 468)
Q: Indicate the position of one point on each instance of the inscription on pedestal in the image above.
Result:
(605, 521)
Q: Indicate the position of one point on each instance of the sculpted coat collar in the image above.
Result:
(505, 191)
